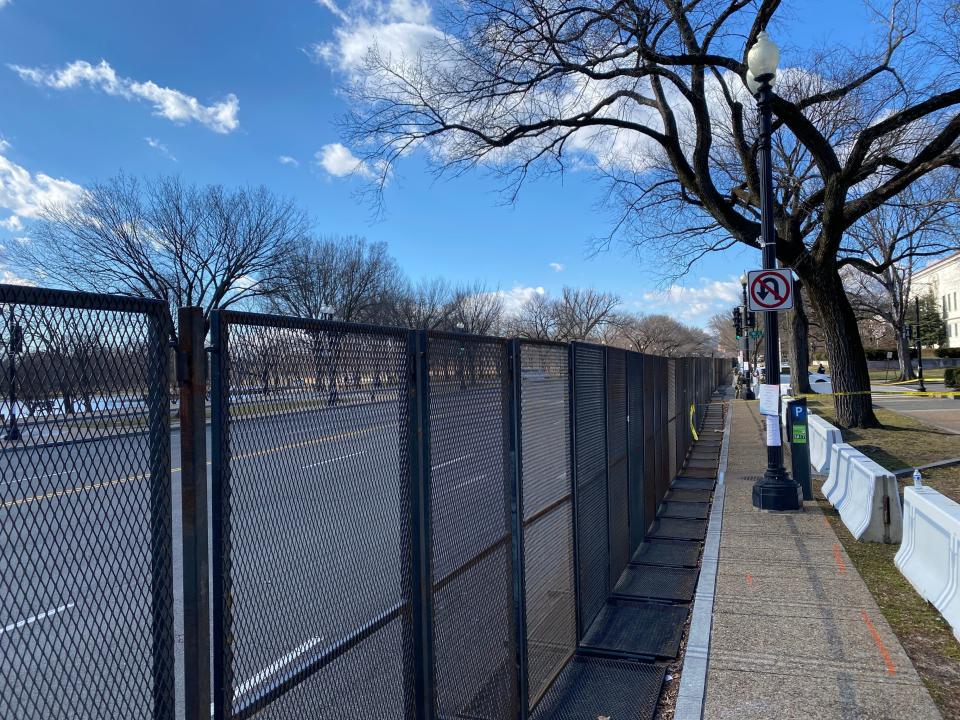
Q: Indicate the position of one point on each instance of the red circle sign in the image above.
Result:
(770, 290)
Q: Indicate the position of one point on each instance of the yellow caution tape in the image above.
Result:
(910, 393)
(693, 429)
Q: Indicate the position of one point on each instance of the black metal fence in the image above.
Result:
(86, 588)
(402, 524)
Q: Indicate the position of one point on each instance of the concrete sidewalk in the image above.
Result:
(796, 633)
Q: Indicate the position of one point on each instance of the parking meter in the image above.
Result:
(799, 436)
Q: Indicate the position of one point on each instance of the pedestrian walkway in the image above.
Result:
(796, 633)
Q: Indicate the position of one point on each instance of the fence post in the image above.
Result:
(161, 511)
(572, 402)
(191, 362)
(516, 536)
(418, 407)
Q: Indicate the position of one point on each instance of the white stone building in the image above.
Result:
(943, 279)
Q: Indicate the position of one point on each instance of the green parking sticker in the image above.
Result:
(799, 435)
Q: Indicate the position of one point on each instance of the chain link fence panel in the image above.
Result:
(86, 612)
(590, 505)
(618, 506)
(311, 507)
(547, 502)
(473, 633)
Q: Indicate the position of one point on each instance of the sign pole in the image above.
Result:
(776, 490)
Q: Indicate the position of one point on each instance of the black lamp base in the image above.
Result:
(776, 491)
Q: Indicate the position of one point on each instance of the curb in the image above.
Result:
(693, 675)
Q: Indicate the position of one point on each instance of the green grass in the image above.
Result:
(894, 375)
(925, 635)
(903, 442)
(900, 442)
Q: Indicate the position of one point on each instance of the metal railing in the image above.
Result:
(396, 524)
(86, 553)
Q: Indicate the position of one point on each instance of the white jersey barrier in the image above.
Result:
(930, 554)
(823, 436)
(836, 485)
(865, 494)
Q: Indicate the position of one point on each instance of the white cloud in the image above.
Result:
(25, 193)
(514, 298)
(5, 2)
(692, 303)
(171, 104)
(12, 224)
(160, 147)
(287, 160)
(556, 267)
(4, 145)
(8, 277)
(398, 29)
(338, 161)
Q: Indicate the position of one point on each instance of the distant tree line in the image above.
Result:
(247, 247)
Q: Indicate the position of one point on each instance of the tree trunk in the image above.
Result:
(798, 342)
(848, 362)
(903, 357)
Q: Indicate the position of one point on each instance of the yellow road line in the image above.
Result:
(54, 494)
(74, 490)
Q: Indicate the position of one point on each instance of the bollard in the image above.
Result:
(798, 435)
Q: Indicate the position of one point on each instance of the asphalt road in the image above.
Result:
(318, 513)
(942, 413)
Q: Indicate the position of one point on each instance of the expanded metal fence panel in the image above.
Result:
(546, 492)
(86, 588)
(672, 420)
(664, 476)
(650, 451)
(618, 509)
(311, 507)
(590, 452)
(636, 447)
(473, 627)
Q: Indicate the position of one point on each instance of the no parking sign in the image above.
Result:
(770, 290)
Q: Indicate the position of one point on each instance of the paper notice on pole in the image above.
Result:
(773, 431)
(770, 400)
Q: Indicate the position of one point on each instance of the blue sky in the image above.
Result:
(220, 91)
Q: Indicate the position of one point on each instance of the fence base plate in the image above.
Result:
(641, 630)
(677, 529)
(670, 553)
(591, 687)
(649, 582)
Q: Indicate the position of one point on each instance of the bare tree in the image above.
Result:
(425, 305)
(476, 310)
(663, 335)
(348, 277)
(721, 326)
(581, 313)
(536, 320)
(894, 240)
(654, 88)
(190, 245)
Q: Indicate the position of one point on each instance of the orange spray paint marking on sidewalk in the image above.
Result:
(891, 670)
(749, 579)
(838, 558)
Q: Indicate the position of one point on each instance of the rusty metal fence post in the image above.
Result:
(191, 364)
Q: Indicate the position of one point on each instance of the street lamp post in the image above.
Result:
(921, 387)
(776, 490)
(749, 394)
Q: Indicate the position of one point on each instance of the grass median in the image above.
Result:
(903, 442)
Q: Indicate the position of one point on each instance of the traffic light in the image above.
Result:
(738, 322)
(751, 319)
